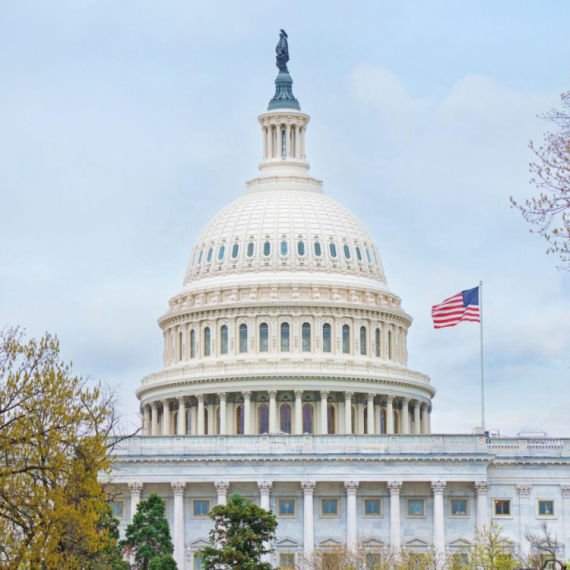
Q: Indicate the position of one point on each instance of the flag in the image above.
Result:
(461, 307)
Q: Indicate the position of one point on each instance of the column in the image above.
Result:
(288, 141)
(524, 515)
(302, 143)
(405, 416)
(481, 489)
(390, 415)
(417, 425)
(223, 413)
(297, 142)
(298, 412)
(264, 496)
(181, 424)
(155, 428)
(351, 488)
(370, 415)
(429, 419)
(394, 488)
(200, 398)
(264, 143)
(222, 488)
(247, 413)
(324, 412)
(438, 487)
(348, 413)
(272, 411)
(147, 425)
(136, 492)
(308, 531)
(178, 527)
(565, 489)
(425, 426)
(166, 417)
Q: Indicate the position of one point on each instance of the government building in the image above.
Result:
(286, 380)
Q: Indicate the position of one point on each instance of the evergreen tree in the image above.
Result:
(237, 540)
(148, 537)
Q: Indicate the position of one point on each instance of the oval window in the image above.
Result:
(221, 252)
(346, 252)
(235, 250)
(332, 249)
(284, 248)
(368, 256)
(301, 248)
(318, 250)
(210, 252)
(358, 254)
(266, 248)
(250, 248)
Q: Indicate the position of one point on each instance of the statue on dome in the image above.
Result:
(282, 51)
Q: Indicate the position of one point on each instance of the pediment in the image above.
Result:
(330, 543)
(460, 543)
(372, 542)
(287, 541)
(199, 543)
(417, 544)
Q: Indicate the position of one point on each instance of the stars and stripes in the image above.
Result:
(461, 307)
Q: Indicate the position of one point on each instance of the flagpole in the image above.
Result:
(482, 367)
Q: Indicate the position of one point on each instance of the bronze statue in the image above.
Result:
(282, 51)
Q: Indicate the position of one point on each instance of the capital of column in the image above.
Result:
(324, 394)
(273, 394)
(298, 393)
(154, 405)
(406, 401)
(351, 487)
(246, 395)
(223, 396)
(438, 487)
(136, 488)
(222, 487)
(389, 399)
(424, 407)
(200, 397)
(565, 491)
(264, 487)
(370, 397)
(481, 487)
(308, 487)
(181, 401)
(394, 487)
(524, 490)
(348, 395)
(178, 488)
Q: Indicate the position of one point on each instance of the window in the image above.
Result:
(285, 337)
(200, 258)
(345, 339)
(240, 420)
(415, 507)
(224, 335)
(235, 250)
(286, 414)
(198, 563)
(192, 343)
(263, 337)
(189, 421)
(332, 248)
(353, 418)
(217, 429)
(545, 508)
(382, 421)
(396, 422)
(266, 248)
(331, 417)
(250, 249)
(301, 248)
(377, 339)
(363, 341)
(243, 338)
(373, 561)
(503, 508)
(307, 418)
(207, 341)
(372, 507)
(365, 420)
(318, 249)
(327, 338)
(390, 345)
(180, 346)
(458, 507)
(346, 251)
(284, 248)
(358, 254)
(329, 507)
(210, 251)
(306, 330)
(283, 143)
(286, 561)
(460, 559)
(201, 508)
(375, 257)
(331, 560)
(368, 256)
(206, 421)
(221, 252)
(263, 418)
(118, 509)
(286, 507)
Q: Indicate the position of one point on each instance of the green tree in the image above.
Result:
(238, 537)
(148, 538)
(490, 550)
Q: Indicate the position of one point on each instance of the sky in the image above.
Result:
(127, 125)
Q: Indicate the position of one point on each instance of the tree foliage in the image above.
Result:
(53, 447)
(490, 550)
(549, 212)
(148, 539)
(238, 537)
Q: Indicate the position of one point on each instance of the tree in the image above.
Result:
(490, 550)
(53, 447)
(550, 211)
(238, 537)
(148, 538)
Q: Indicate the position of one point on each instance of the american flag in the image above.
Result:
(461, 307)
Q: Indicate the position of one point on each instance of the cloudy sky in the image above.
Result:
(127, 125)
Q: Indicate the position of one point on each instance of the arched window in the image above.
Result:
(285, 413)
(365, 420)
(327, 345)
(250, 249)
(180, 346)
(224, 335)
(263, 419)
(390, 345)
(358, 254)
(207, 341)
(306, 337)
(363, 341)
(266, 248)
(332, 248)
(210, 252)
(375, 257)
(318, 249)
(240, 420)
(188, 421)
(235, 250)
(284, 248)
(206, 421)
(396, 422)
(192, 343)
(368, 256)
(331, 419)
(283, 143)
(353, 420)
(377, 339)
(243, 338)
(285, 344)
(346, 252)
(308, 422)
(221, 252)
(200, 258)
(345, 339)
(263, 337)
(217, 429)
(382, 421)
(301, 248)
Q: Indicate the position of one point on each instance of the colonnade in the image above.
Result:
(284, 412)
(273, 135)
